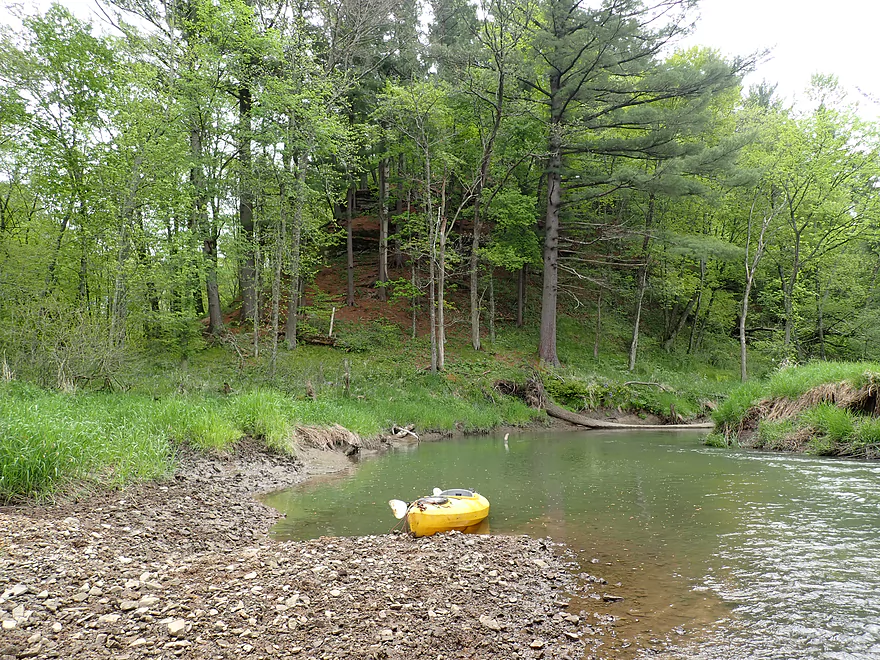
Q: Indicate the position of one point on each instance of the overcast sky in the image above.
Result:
(840, 37)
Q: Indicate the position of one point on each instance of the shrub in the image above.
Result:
(362, 339)
(718, 440)
(50, 440)
(865, 441)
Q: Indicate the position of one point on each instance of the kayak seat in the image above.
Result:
(457, 492)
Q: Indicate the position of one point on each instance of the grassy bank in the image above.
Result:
(823, 408)
(51, 438)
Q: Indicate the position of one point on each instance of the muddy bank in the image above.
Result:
(831, 419)
(185, 568)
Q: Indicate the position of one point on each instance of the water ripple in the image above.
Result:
(802, 568)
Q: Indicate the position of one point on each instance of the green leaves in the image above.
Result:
(514, 241)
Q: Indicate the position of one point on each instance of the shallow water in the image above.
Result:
(718, 553)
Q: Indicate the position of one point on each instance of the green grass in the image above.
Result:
(738, 402)
(833, 431)
(790, 383)
(793, 382)
(772, 434)
(48, 440)
(833, 423)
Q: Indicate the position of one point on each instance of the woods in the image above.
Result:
(181, 173)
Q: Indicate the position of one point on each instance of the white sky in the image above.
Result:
(840, 37)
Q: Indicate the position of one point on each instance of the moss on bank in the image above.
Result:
(823, 408)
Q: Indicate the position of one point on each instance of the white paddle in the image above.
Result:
(399, 508)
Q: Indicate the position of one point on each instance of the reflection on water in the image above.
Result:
(717, 554)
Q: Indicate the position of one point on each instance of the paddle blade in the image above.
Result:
(437, 492)
(398, 507)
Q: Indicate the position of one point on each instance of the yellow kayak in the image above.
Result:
(455, 509)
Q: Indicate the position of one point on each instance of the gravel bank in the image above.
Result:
(186, 569)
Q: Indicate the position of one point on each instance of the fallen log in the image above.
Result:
(566, 415)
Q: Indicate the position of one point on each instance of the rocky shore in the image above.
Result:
(186, 569)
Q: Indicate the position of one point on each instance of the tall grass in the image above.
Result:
(789, 383)
(49, 440)
(741, 398)
(266, 414)
(793, 382)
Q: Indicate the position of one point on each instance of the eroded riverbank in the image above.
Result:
(186, 568)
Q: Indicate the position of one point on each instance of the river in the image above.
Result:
(718, 554)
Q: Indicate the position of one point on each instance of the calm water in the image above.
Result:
(719, 554)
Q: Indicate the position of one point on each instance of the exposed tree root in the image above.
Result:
(333, 437)
(864, 400)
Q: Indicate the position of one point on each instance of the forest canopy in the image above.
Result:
(188, 168)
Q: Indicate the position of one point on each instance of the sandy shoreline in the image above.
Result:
(186, 569)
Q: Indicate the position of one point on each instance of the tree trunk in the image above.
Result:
(550, 286)
(415, 300)
(256, 315)
(83, 288)
(549, 290)
(787, 307)
(212, 288)
(751, 267)
(349, 244)
(742, 329)
(485, 162)
(119, 311)
(432, 263)
(441, 298)
(51, 278)
(642, 284)
(144, 261)
(475, 276)
(820, 317)
(280, 236)
(598, 326)
(247, 272)
(209, 249)
(441, 280)
(521, 296)
(573, 418)
(491, 308)
(383, 228)
(698, 344)
(677, 326)
(697, 309)
(201, 227)
(295, 248)
(397, 258)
